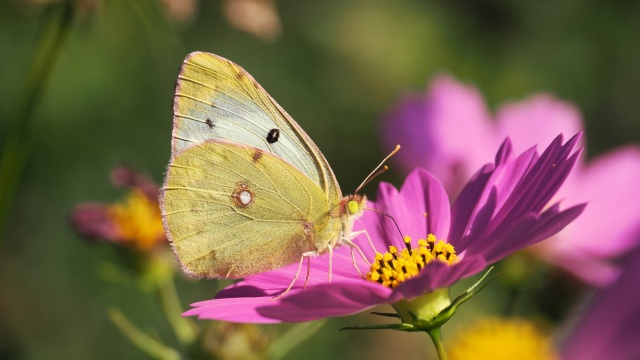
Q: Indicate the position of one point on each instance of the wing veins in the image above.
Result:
(266, 100)
(268, 178)
(247, 179)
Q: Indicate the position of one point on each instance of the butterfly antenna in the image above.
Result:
(371, 177)
(377, 171)
(394, 222)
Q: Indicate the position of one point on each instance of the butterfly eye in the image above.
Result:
(353, 207)
(273, 136)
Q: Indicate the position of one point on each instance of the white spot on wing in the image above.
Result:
(245, 197)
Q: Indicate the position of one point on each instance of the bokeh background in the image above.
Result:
(334, 66)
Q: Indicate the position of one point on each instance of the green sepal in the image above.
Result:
(411, 322)
(393, 315)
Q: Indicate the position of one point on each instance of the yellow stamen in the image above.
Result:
(138, 220)
(394, 267)
(499, 339)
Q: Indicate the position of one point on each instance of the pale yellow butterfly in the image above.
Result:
(246, 189)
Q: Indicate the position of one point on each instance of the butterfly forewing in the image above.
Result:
(218, 100)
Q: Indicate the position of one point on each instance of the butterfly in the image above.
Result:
(246, 189)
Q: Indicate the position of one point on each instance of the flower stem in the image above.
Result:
(15, 141)
(436, 337)
(144, 342)
(185, 330)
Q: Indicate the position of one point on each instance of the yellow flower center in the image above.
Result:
(393, 267)
(138, 220)
(498, 339)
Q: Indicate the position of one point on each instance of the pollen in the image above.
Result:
(394, 266)
(497, 339)
(137, 220)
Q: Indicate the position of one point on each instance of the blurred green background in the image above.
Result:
(334, 66)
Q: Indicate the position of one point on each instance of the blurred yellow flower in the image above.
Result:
(137, 221)
(497, 339)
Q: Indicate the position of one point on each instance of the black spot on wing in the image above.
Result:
(273, 136)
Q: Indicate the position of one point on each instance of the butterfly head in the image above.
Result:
(352, 206)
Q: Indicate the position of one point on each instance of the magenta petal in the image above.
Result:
(251, 300)
(381, 229)
(465, 207)
(609, 329)
(485, 196)
(239, 310)
(124, 176)
(420, 194)
(272, 283)
(328, 300)
(529, 196)
(586, 267)
(537, 121)
(425, 196)
(92, 221)
(404, 124)
(487, 192)
(428, 128)
(528, 231)
(541, 181)
(439, 275)
(611, 222)
(376, 226)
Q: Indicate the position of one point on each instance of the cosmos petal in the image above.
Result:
(328, 300)
(437, 275)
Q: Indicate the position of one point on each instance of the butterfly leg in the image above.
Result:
(308, 256)
(353, 246)
(295, 278)
(354, 234)
(353, 259)
(306, 280)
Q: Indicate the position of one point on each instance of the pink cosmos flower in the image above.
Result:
(135, 222)
(608, 328)
(503, 208)
(449, 132)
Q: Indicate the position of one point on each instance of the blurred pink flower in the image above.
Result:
(449, 131)
(135, 222)
(503, 208)
(608, 328)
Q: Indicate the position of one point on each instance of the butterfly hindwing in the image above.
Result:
(234, 210)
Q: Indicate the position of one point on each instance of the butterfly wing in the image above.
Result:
(234, 210)
(216, 99)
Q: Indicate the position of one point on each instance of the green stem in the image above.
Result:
(292, 338)
(16, 141)
(512, 300)
(436, 337)
(143, 341)
(185, 330)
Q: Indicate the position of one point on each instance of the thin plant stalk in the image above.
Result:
(16, 133)
(184, 328)
(436, 337)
